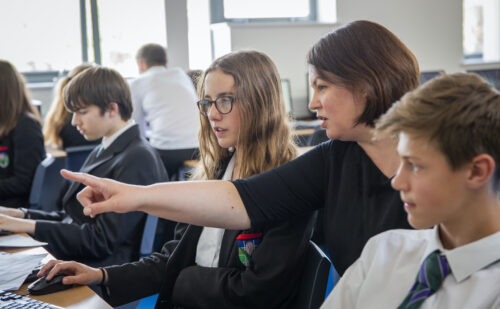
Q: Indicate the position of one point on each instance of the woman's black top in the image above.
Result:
(357, 197)
(20, 153)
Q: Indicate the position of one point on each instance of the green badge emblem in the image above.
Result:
(4, 159)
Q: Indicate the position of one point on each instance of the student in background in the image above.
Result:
(57, 129)
(211, 267)
(449, 179)
(100, 101)
(21, 140)
(165, 99)
(357, 72)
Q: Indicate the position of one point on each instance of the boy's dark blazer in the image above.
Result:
(176, 277)
(109, 238)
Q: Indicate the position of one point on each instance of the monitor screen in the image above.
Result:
(491, 75)
(426, 76)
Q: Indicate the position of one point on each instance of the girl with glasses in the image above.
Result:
(244, 132)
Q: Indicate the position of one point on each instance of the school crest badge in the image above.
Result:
(4, 157)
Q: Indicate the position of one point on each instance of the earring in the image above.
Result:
(230, 149)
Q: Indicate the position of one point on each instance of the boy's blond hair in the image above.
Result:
(459, 113)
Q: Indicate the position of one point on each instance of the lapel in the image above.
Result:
(227, 248)
(92, 162)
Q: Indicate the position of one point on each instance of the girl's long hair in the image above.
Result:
(14, 99)
(58, 116)
(265, 139)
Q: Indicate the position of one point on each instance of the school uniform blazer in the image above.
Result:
(109, 238)
(20, 153)
(271, 281)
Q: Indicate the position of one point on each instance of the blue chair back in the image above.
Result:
(76, 156)
(148, 235)
(47, 184)
(312, 286)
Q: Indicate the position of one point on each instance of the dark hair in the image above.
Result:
(98, 86)
(367, 59)
(14, 99)
(152, 54)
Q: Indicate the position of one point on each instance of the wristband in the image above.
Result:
(26, 213)
(103, 276)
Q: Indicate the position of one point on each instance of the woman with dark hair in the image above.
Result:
(21, 140)
(357, 72)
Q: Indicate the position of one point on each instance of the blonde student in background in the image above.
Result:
(449, 179)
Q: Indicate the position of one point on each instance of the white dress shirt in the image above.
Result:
(107, 141)
(210, 241)
(386, 271)
(166, 100)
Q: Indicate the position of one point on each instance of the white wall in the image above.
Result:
(287, 44)
(431, 29)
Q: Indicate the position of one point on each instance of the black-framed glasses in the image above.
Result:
(224, 105)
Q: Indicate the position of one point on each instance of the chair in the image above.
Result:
(312, 286)
(47, 184)
(76, 156)
(147, 241)
(319, 136)
(148, 236)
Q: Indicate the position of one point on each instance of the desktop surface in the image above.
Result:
(79, 297)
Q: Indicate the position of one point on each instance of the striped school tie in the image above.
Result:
(433, 271)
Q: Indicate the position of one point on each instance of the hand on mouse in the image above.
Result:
(75, 273)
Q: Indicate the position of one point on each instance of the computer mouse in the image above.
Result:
(42, 286)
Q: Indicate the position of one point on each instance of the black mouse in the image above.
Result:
(41, 286)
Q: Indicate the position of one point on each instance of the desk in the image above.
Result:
(303, 132)
(56, 153)
(80, 297)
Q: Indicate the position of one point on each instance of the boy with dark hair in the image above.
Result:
(448, 179)
(100, 101)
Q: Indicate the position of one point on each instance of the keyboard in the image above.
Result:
(11, 301)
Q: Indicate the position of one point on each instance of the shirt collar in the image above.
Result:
(470, 258)
(228, 174)
(107, 141)
(155, 68)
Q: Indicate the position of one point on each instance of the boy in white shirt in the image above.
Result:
(449, 179)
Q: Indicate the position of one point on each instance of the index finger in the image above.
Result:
(86, 179)
(47, 267)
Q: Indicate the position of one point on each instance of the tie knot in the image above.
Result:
(433, 270)
(431, 275)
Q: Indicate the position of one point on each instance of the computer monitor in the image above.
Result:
(491, 75)
(426, 76)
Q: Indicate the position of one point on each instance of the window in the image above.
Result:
(35, 38)
(263, 10)
(244, 9)
(44, 39)
(481, 30)
(124, 26)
